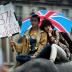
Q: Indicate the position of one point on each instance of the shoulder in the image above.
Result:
(27, 34)
(56, 31)
(43, 33)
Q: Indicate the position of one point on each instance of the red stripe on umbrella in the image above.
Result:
(55, 24)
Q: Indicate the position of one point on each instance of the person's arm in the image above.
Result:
(54, 39)
(57, 37)
(18, 46)
(42, 43)
(63, 35)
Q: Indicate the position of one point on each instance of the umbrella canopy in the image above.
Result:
(58, 19)
(26, 24)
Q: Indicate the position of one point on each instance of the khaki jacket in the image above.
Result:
(24, 46)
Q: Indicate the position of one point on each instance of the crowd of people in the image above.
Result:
(42, 42)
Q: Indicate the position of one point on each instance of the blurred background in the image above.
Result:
(23, 9)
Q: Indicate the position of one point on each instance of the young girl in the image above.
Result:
(58, 49)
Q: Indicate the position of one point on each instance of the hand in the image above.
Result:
(3, 69)
(12, 43)
(56, 41)
(49, 34)
(50, 30)
(33, 57)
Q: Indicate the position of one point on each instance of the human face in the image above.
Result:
(34, 22)
(48, 29)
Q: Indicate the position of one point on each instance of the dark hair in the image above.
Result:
(46, 23)
(35, 16)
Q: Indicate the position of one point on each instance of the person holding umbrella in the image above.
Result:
(53, 37)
